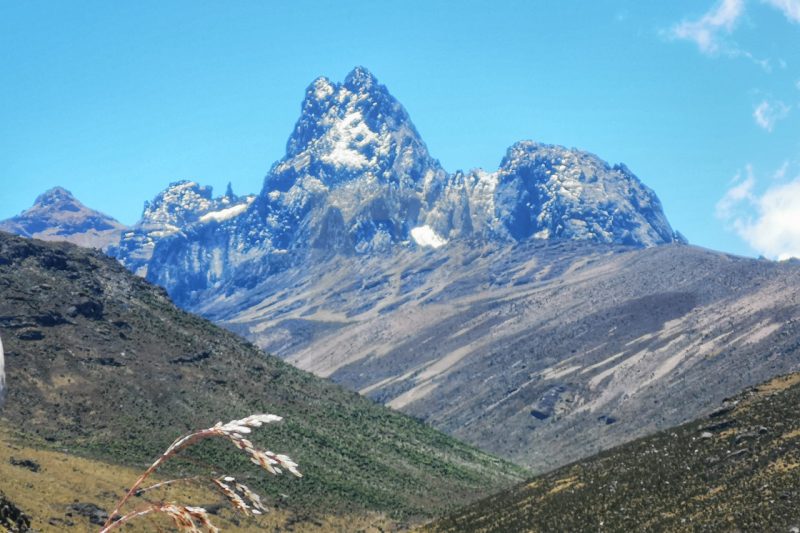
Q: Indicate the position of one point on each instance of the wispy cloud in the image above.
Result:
(740, 192)
(780, 174)
(768, 222)
(790, 8)
(712, 31)
(705, 32)
(768, 113)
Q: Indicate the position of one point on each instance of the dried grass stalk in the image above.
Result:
(195, 519)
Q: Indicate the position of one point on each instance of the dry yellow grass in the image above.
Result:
(566, 483)
(781, 466)
(790, 435)
(780, 383)
(712, 493)
(64, 479)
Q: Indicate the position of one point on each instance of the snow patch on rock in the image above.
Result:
(425, 236)
(227, 213)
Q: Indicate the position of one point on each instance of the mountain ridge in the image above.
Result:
(358, 179)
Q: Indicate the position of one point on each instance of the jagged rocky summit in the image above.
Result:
(57, 215)
(358, 179)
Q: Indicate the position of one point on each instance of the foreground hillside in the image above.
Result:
(43, 481)
(735, 470)
(11, 517)
(102, 364)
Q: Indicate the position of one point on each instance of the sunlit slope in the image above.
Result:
(61, 491)
(542, 353)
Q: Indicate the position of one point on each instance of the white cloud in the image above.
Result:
(704, 32)
(767, 114)
(710, 31)
(780, 174)
(741, 192)
(790, 8)
(768, 222)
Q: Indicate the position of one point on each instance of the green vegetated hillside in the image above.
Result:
(102, 364)
(736, 470)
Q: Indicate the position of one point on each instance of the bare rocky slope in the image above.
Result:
(542, 353)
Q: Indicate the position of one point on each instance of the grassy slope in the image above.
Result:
(50, 492)
(102, 364)
(734, 471)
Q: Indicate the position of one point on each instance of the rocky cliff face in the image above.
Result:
(358, 179)
(57, 215)
(178, 208)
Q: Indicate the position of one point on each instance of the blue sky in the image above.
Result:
(701, 99)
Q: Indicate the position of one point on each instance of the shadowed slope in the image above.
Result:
(737, 470)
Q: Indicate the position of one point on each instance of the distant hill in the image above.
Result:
(101, 363)
(735, 470)
(57, 215)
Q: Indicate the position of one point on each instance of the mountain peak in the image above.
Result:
(172, 205)
(358, 179)
(351, 129)
(550, 191)
(54, 196)
(360, 80)
(320, 88)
